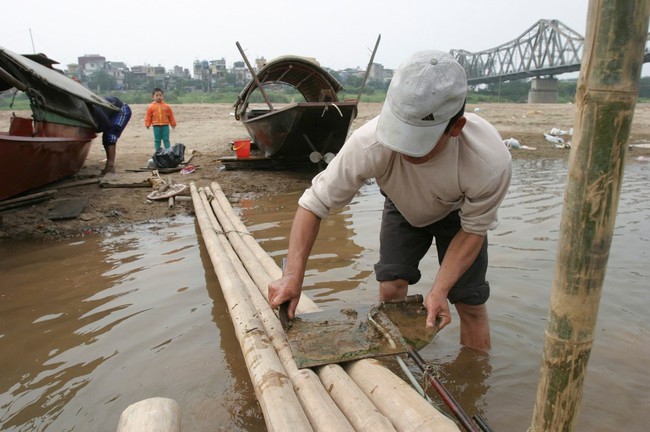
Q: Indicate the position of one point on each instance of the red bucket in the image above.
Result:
(242, 148)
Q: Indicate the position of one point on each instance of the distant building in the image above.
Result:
(118, 71)
(138, 70)
(73, 71)
(376, 73)
(201, 70)
(241, 72)
(154, 71)
(218, 70)
(90, 63)
(179, 72)
(260, 63)
(207, 74)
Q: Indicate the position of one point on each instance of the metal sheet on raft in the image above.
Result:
(328, 337)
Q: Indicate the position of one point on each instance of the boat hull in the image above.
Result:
(33, 156)
(296, 131)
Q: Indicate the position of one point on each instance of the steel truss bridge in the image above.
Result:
(547, 48)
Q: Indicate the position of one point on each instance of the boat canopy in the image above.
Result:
(53, 96)
(304, 74)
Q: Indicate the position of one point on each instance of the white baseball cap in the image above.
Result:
(428, 89)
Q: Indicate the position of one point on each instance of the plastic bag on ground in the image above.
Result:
(169, 158)
(512, 143)
(554, 139)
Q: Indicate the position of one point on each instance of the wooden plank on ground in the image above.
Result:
(263, 162)
(69, 208)
(126, 180)
(160, 170)
(77, 183)
(26, 200)
(30, 197)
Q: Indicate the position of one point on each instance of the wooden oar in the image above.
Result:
(365, 77)
(254, 74)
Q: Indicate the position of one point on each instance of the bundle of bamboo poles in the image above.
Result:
(358, 396)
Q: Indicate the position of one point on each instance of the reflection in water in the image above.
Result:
(43, 366)
(335, 257)
(465, 377)
(502, 386)
(239, 399)
(90, 326)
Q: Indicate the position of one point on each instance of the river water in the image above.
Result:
(91, 325)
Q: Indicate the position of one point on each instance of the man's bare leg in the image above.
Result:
(474, 323)
(110, 159)
(474, 326)
(393, 290)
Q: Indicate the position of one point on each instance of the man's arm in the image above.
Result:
(462, 251)
(301, 240)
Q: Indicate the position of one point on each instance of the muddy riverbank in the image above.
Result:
(207, 130)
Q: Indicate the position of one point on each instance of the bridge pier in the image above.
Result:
(543, 90)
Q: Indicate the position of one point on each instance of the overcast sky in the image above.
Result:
(338, 33)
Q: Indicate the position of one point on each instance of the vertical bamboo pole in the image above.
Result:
(606, 95)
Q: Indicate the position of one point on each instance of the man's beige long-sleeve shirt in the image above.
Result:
(472, 174)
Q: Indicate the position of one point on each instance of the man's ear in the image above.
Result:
(458, 126)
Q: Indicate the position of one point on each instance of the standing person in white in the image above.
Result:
(443, 173)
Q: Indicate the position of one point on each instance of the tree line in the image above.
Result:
(506, 92)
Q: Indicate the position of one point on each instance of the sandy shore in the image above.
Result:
(208, 129)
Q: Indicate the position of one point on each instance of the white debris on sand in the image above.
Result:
(560, 132)
(513, 144)
(554, 139)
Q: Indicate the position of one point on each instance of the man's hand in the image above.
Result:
(437, 308)
(288, 287)
(285, 289)
(462, 251)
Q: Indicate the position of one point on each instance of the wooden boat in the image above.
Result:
(319, 124)
(55, 141)
(314, 129)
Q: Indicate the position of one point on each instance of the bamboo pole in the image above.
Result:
(29, 197)
(321, 411)
(270, 267)
(254, 75)
(280, 406)
(365, 77)
(78, 183)
(412, 409)
(349, 397)
(153, 414)
(605, 99)
(350, 402)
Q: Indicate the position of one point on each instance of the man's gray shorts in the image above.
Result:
(402, 246)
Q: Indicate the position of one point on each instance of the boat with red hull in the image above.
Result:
(33, 154)
(55, 141)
